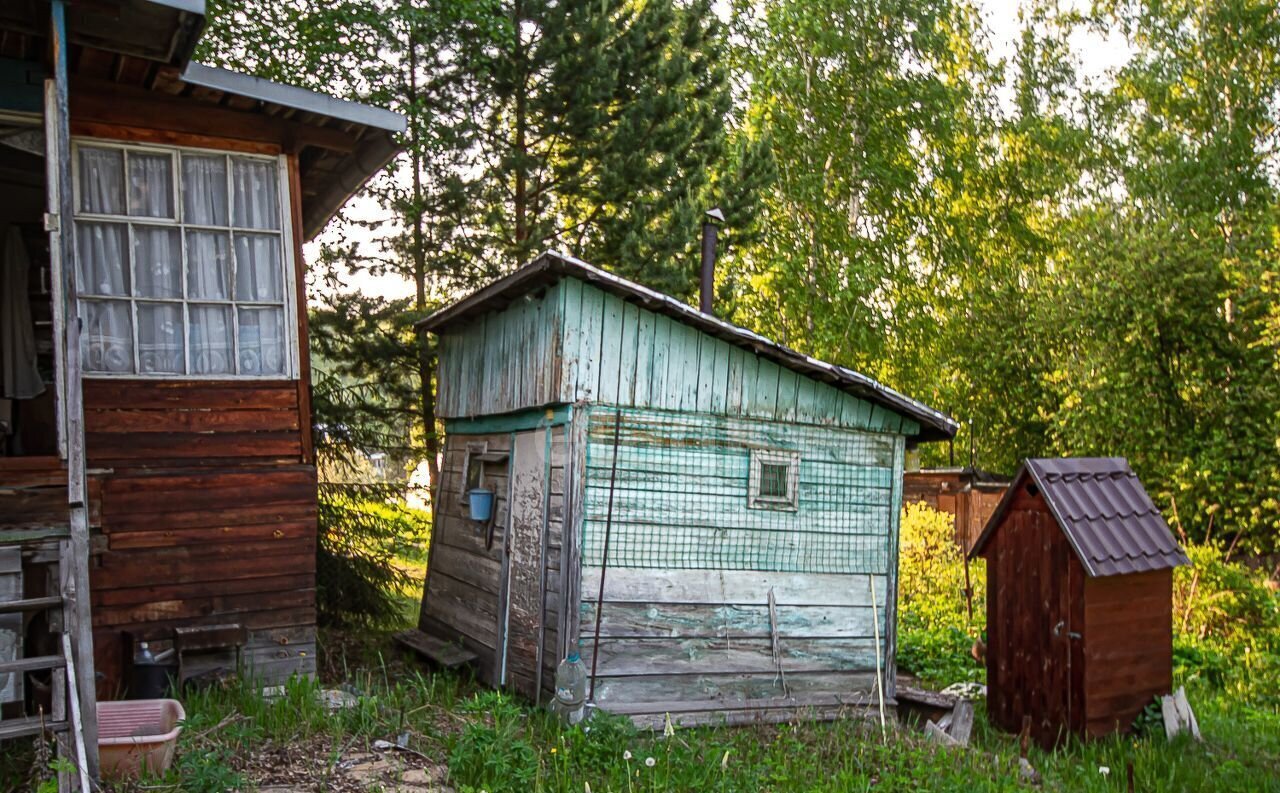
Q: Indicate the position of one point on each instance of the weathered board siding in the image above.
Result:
(574, 343)
(208, 511)
(684, 615)
(503, 361)
(490, 599)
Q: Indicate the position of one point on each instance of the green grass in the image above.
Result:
(493, 742)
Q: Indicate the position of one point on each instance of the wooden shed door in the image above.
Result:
(525, 582)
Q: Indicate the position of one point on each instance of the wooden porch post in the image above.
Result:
(75, 569)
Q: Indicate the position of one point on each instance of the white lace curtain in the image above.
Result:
(223, 313)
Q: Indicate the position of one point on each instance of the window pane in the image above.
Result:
(258, 275)
(160, 338)
(204, 190)
(261, 341)
(210, 332)
(208, 265)
(103, 258)
(107, 336)
(101, 181)
(150, 185)
(157, 261)
(256, 205)
(773, 480)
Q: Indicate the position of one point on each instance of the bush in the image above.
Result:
(935, 631)
(1226, 627)
(932, 571)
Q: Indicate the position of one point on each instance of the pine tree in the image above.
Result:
(605, 134)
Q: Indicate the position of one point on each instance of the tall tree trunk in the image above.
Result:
(426, 360)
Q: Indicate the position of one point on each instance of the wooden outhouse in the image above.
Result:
(1079, 599)
(157, 479)
(710, 517)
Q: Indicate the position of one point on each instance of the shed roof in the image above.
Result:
(1103, 509)
(550, 267)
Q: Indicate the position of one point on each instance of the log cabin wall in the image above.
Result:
(208, 488)
(1128, 647)
(208, 518)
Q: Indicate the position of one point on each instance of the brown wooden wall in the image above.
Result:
(1035, 669)
(1128, 646)
(208, 514)
(971, 505)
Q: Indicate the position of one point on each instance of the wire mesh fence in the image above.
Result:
(693, 491)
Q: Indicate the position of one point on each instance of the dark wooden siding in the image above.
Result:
(1128, 646)
(1035, 603)
(208, 516)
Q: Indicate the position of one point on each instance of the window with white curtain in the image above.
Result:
(182, 260)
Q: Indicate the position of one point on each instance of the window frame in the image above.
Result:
(285, 233)
(762, 457)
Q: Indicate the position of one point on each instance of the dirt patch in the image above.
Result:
(321, 765)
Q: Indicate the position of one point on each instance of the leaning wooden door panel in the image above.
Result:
(525, 584)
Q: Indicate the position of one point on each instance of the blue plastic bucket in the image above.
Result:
(481, 504)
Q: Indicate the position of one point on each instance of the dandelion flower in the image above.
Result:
(1102, 769)
(553, 750)
(724, 761)
(668, 729)
(626, 754)
(587, 787)
(650, 762)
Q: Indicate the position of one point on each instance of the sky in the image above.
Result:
(1098, 56)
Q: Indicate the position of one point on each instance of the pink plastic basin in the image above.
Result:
(137, 734)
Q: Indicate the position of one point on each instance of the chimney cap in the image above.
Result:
(715, 214)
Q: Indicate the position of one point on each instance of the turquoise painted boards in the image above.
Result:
(574, 342)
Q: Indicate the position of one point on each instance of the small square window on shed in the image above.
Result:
(774, 481)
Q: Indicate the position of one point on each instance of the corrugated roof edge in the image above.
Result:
(292, 96)
(1029, 469)
(552, 265)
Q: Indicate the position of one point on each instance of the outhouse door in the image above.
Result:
(525, 583)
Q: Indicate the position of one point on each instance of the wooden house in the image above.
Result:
(1079, 599)
(710, 517)
(969, 495)
(156, 468)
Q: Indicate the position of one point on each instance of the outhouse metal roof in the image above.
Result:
(1103, 509)
(552, 266)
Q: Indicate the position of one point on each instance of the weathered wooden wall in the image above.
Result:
(1128, 647)
(208, 515)
(469, 586)
(574, 342)
(685, 624)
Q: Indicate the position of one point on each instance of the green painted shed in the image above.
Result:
(711, 517)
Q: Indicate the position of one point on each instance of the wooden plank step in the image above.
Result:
(30, 725)
(30, 604)
(33, 663)
(445, 653)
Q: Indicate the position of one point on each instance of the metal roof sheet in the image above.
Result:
(1109, 519)
(552, 266)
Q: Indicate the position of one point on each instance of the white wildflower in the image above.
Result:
(650, 762)
(1102, 769)
(724, 761)
(626, 754)
(668, 729)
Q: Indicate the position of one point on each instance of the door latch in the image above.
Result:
(1057, 630)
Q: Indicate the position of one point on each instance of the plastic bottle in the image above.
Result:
(571, 689)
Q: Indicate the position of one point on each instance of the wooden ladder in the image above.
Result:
(69, 704)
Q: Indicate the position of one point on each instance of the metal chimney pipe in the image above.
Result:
(710, 230)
